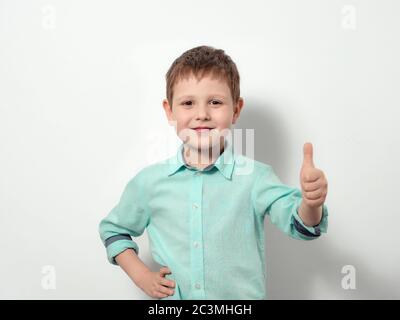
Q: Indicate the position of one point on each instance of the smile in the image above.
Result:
(202, 129)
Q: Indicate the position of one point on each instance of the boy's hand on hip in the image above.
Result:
(314, 185)
(156, 285)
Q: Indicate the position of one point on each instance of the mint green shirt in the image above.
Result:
(207, 225)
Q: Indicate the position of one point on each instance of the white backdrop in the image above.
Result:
(81, 85)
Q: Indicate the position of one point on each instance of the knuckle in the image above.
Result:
(160, 293)
(315, 195)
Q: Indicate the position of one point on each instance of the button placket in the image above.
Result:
(196, 236)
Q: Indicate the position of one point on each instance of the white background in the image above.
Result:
(81, 85)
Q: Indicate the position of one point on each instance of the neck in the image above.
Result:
(202, 158)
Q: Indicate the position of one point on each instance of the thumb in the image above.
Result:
(308, 155)
(164, 270)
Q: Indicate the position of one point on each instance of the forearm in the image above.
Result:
(310, 216)
(129, 261)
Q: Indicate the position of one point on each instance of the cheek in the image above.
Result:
(223, 119)
(183, 121)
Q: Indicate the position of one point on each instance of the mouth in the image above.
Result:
(202, 129)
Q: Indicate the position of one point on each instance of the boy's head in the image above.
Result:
(203, 90)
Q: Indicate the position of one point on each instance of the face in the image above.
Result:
(202, 112)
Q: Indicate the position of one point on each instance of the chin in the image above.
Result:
(204, 143)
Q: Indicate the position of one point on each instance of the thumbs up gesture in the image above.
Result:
(314, 185)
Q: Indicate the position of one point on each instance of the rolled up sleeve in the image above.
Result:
(280, 202)
(308, 232)
(127, 219)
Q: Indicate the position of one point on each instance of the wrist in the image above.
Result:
(139, 276)
(311, 216)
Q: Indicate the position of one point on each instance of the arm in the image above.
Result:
(153, 283)
(133, 266)
(129, 218)
(310, 216)
(282, 204)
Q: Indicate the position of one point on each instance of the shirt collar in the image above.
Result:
(225, 162)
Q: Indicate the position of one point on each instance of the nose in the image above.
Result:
(203, 112)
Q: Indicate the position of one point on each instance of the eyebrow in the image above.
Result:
(210, 95)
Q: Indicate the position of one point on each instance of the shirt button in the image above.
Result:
(197, 285)
(195, 206)
(197, 173)
(196, 244)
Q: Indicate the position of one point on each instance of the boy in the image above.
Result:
(204, 214)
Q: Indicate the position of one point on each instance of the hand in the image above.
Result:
(156, 285)
(313, 182)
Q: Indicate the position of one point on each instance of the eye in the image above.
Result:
(186, 103)
(215, 102)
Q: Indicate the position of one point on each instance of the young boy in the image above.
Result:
(204, 214)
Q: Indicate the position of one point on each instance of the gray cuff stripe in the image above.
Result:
(304, 231)
(116, 238)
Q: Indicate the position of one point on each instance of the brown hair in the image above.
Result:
(201, 61)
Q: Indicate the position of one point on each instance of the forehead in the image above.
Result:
(208, 84)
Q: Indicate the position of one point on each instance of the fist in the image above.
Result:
(313, 183)
(155, 285)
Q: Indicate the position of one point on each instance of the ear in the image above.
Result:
(168, 110)
(237, 110)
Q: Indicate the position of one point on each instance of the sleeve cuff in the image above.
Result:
(116, 247)
(307, 231)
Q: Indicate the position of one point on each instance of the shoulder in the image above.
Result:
(151, 172)
(248, 166)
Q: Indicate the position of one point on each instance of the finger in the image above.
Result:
(164, 270)
(308, 155)
(311, 174)
(165, 290)
(167, 283)
(313, 203)
(312, 186)
(160, 295)
(314, 195)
